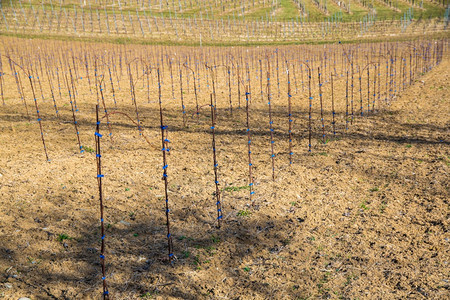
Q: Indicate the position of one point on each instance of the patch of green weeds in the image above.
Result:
(243, 213)
(87, 149)
(215, 239)
(63, 236)
(364, 205)
(236, 188)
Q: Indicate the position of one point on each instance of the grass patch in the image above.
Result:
(243, 213)
(236, 188)
(62, 237)
(87, 149)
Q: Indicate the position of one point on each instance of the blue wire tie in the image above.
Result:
(216, 182)
(98, 134)
(105, 293)
(169, 235)
(273, 155)
(166, 140)
(98, 155)
(39, 119)
(212, 127)
(165, 175)
(250, 164)
(165, 167)
(102, 256)
(219, 217)
(103, 237)
(101, 220)
(250, 184)
(251, 193)
(100, 175)
(171, 254)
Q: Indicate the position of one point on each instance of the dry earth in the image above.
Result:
(365, 216)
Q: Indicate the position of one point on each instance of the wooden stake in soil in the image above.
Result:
(100, 191)
(289, 113)
(73, 115)
(249, 141)
(321, 106)
(51, 89)
(346, 103)
(272, 142)
(216, 176)
(183, 108)
(104, 107)
(38, 115)
(197, 112)
(165, 150)
(333, 112)
(310, 108)
(229, 89)
(1, 79)
(19, 86)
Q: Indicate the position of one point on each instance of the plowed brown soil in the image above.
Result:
(365, 216)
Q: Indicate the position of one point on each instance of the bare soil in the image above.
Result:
(364, 216)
